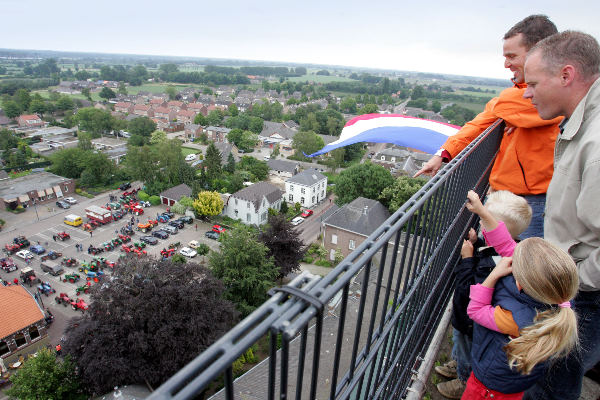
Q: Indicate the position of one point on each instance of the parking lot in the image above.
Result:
(42, 232)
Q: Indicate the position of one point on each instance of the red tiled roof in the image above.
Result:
(197, 106)
(122, 104)
(18, 310)
(175, 103)
(163, 110)
(142, 107)
(156, 101)
(186, 113)
(30, 117)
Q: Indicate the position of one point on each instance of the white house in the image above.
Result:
(251, 204)
(308, 188)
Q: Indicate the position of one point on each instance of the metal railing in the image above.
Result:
(361, 331)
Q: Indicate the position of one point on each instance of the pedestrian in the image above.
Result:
(54, 237)
(16, 281)
(116, 232)
(138, 220)
(196, 226)
(58, 349)
(90, 233)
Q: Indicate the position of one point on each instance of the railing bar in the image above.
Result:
(285, 355)
(361, 309)
(339, 341)
(301, 358)
(316, 357)
(229, 394)
(272, 362)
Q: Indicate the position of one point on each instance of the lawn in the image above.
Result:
(188, 150)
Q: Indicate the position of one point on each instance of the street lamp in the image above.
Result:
(35, 206)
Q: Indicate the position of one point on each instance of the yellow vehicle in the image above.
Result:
(73, 220)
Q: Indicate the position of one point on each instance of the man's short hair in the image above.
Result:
(534, 28)
(571, 47)
(511, 209)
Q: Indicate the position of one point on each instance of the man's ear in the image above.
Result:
(567, 75)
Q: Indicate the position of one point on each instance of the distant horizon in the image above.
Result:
(460, 38)
(255, 62)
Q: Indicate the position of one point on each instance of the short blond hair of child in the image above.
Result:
(511, 209)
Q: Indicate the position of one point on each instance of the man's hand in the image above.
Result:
(473, 203)
(431, 167)
(467, 249)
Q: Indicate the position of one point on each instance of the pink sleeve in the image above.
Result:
(500, 240)
(480, 309)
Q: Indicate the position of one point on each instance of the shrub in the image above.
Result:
(143, 195)
(323, 263)
(178, 259)
(78, 191)
(178, 208)
(203, 249)
(308, 259)
(154, 200)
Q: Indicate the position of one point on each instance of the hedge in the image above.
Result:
(154, 200)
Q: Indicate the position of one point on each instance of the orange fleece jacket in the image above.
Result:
(524, 164)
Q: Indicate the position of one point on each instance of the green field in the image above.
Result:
(320, 78)
(188, 150)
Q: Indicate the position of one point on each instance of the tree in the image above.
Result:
(46, 377)
(107, 93)
(233, 110)
(154, 316)
(348, 104)
(208, 204)
(65, 103)
(200, 120)
(69, 162)
(142, 126)
(94, 121)
(84, 141)
(284, 244)
(230, 166)
(394, 196)
(171, 91)
(37, 106)
(284, 208)
(122, 88)
(11, 109)
(244, 267)
(369, 109)
(258, 169)
(158, 137)
(436, 106)
(214, 118)
(256, 125)
(86, 92)
(212, 162)
(307, 142)
(361, 180)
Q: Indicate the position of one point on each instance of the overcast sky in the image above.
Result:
(456, 37)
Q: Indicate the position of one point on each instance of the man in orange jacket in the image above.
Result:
(524, 164)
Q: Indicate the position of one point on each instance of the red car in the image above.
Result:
(218, 229)
(307, 213)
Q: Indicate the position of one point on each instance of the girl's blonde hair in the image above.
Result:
(549, 275)
(511, 209)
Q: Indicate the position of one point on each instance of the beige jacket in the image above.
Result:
(572, 218)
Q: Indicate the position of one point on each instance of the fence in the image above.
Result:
(360, 331)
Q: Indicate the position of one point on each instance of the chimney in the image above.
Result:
(365, 209)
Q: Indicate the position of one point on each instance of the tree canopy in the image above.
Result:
(361, 180)
(46, 377)
(208, 204)
(284, 244)
(94, 121)
(400, 191)
(245, 268)
(307, 142)
(154, 317)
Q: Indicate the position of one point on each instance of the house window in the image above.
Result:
(301, 200)
(248, 205)
(20, 339)
(291, 197)
(351, 244)
(292, 187)
(236, 202)
(4, 348)
(333, 239)
(313, 199)
(302, 190)
(66, 189)
(393, 159)
(248, 217)
(332, 254)
(263, 216)
(34, 333)
(382, 158)
(236, 213)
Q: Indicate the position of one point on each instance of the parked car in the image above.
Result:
(177, 223)
(70, 200)
(194, 244)
(187, 219)
(37, 249)
(191, 157)
(24, 254)
(125, 186)
(186, 251)
(171, 229)
(212, 235)
(169, 214)
(218, 229)
(149, 240)
(306, 213)
(297, 221)
(62, 204)
(161, 234)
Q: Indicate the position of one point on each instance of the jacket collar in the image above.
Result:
(570, 126)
